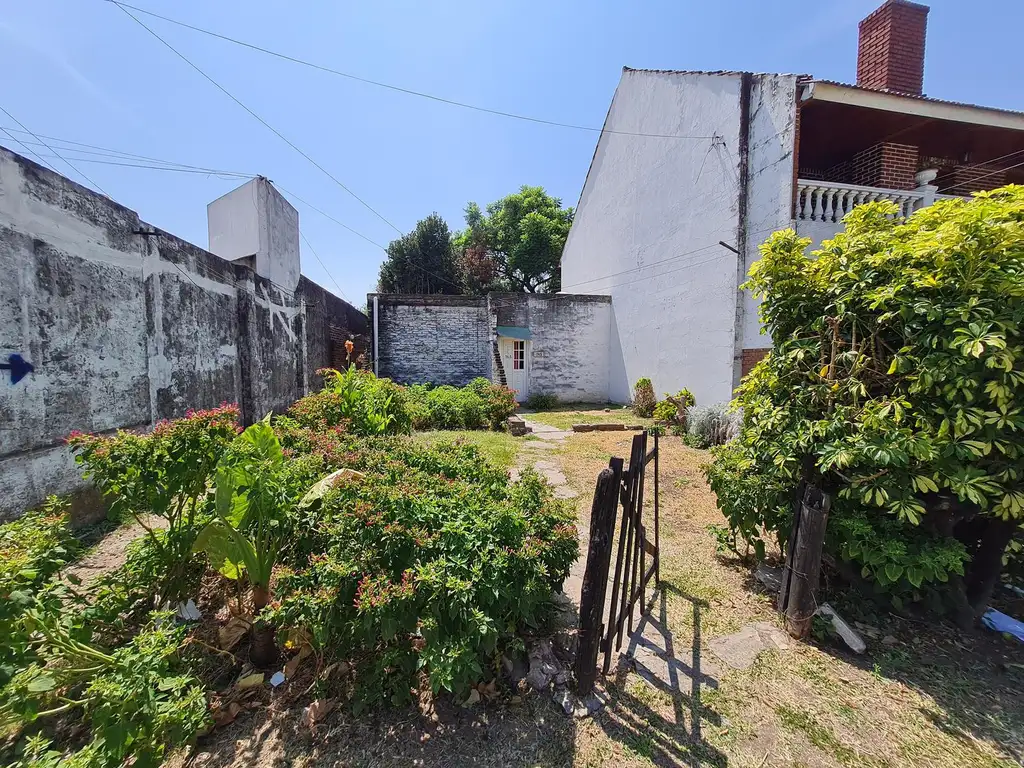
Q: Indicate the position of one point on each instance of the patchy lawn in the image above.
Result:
(565, 415)
(921, 695)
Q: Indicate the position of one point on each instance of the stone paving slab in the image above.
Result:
(741, 649)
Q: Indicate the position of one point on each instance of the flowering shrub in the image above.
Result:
(164, 473)
(32, 549)
(357, 400)
(429, 562)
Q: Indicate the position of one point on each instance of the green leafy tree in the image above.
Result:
(897, 384)
(517, 244)
(422, 261)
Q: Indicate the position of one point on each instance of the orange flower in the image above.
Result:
(349, 346)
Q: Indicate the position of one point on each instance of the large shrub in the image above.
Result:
(429, 562)
(356, 399)
(478, 405)
(896, 383)
(644, 399)
(164, 473)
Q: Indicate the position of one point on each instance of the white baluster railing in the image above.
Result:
(831, 201)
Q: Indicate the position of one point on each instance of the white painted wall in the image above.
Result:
(770, 186)
(256, 220)
(652, 213)
(818, 231)
(647, 229)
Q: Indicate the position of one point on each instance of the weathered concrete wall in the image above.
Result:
(327, 323)
(569, 341)
(654, 208)
(125, 329)
(772, 138)
(450, 339)
(432, 339)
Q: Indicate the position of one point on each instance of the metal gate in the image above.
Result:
(636, 562)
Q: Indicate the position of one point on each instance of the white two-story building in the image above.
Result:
(695, 169)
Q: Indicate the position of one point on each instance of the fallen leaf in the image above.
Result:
(236, 628)
(298, 638)
(226, 715)
(250, 681)
(317, 711)
(293, 663)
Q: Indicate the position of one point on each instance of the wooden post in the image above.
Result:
(595, 578)
(657, 533)
(803, 562)
(787, 569)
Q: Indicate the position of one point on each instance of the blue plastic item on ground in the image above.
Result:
(1000, 622)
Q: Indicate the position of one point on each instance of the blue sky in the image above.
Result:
(82, 70)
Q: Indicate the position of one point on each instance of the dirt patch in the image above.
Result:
(110, 552)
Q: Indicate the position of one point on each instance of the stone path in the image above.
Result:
(538, 454)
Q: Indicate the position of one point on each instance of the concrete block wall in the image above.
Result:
(433, 339)
(569, 350)
(125, 329)
(449, 339)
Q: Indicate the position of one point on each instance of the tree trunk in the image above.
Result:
(987, 563)
(263, 650)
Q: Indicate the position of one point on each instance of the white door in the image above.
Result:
(515, 358)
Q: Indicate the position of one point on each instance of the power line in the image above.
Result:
(975, 165)
(117, 153)
(399, 89)
(276, 132)
(663, 261)
(313, 251)
(28, 149)
(227, 175)
(328, 216)
(66, 162)
(976, 179)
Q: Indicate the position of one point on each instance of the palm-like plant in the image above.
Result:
(252, 503)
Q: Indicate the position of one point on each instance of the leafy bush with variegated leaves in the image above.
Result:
(897, 384)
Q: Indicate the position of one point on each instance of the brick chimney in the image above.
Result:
(890, 54)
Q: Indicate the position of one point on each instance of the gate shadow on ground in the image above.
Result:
(665, 738)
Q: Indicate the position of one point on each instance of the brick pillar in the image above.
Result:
(888, 165)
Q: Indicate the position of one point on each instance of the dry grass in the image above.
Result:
(565, 415)
(930, 697)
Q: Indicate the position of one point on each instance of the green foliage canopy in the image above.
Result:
(897, 383)
(422, 261)
(517, 244)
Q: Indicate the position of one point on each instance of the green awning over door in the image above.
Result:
(514, 332)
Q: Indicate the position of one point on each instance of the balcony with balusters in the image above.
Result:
(856, 147)
(821, 205)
